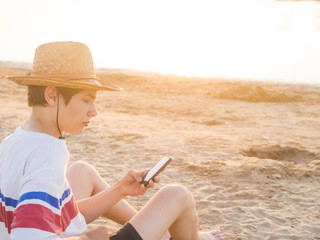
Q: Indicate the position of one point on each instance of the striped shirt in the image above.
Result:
(36, 202)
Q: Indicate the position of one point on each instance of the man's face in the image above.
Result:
(75, 116)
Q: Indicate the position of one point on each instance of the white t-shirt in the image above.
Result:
(36, 202)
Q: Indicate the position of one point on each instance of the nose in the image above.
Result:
(93, 111)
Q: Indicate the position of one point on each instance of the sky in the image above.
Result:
(255, 39)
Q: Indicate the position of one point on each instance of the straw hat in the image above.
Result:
(64, 64)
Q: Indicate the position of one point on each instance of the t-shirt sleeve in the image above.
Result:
(45, 206)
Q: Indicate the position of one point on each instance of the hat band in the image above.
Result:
(67, 75)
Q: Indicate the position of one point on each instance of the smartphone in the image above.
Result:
(156, 170)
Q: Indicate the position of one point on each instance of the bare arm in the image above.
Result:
(93, 207)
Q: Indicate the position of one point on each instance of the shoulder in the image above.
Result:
(46, 153)
(25, 150)
(37, 142)
(34, 150)
(35, 139)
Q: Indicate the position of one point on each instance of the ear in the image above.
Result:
(51, 96)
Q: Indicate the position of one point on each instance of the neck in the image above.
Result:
(42, 119)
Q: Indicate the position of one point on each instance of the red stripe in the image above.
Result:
(40, 217)
(6, 217)
(69, 212)
(36, 216)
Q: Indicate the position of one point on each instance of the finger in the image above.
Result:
(144, 172)
(135, 175)
(156, 179)
(150, 184)
(142, 189)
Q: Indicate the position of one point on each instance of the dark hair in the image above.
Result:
(36, 95)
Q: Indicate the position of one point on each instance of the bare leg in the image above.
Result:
(85, 181)
(171, 208)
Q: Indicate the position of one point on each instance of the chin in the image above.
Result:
(76, 132)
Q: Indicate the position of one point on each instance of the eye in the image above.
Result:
(85, 100)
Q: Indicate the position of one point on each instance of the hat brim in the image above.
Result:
(90, 84)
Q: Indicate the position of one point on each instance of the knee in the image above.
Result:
(180, 194)
(79, 168)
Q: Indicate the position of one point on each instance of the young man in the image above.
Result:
(43, 199)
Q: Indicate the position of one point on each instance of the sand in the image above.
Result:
(249, 152)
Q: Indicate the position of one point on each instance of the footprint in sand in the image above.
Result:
(279, 153)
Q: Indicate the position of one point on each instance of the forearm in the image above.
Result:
(99, 204)
(95, 206)
(121, 213)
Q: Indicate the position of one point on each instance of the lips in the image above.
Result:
(86, 124)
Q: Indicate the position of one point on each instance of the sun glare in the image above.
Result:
(247, 39)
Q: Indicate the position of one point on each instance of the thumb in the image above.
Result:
(135, 175)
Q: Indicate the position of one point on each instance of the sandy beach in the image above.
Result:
(248, 151)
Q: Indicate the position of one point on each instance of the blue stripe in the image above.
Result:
(53, 201)
(40, 196)
(65, 195)
(8, 201)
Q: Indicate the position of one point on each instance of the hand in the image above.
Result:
(98, 233)
(151, 182)
(131, 184)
